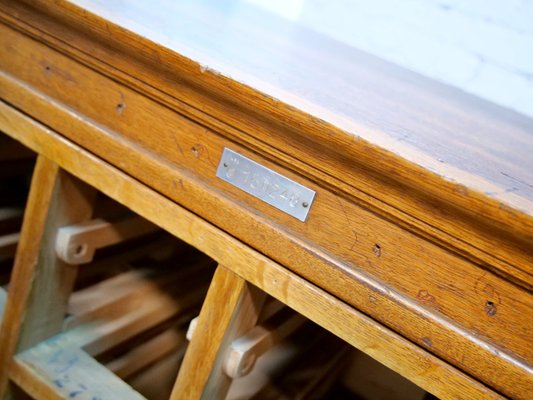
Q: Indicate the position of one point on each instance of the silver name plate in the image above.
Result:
(265, 184)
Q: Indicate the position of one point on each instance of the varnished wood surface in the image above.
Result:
(490, 228)
(55, 198)
(425, 256)
(453, 134)
(435, 282)
(383, 344)
(231, 307)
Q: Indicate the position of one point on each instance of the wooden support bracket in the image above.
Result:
(76, 244)
(245, 350)
(192, 328)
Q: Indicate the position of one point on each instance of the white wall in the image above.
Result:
(484, 47)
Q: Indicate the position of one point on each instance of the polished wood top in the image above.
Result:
(441, 163)
(457, 136)
(413, 223)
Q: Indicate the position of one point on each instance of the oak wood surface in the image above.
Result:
(245, 350)
(431, 278)
(55, 198)
(165, 343)
(231, 307)
(57, 369)
(76, 244)
(310, 374)
(126, 291)
(383, 344)
(64, 363)
(362, 153)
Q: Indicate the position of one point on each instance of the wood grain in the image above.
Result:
(55, 199)
(128, 290)
(438, 197)
(56, 369)
(245, 350)
(231, 307)
(76, 244)
(170, 341)
(440, 300)
(309, 375)
(63, 363)
(383, 344)
(72, 202)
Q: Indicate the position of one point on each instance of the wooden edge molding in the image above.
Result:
(486, 362)
(364, 333)
(500, 237)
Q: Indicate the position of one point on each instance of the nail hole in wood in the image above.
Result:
(79, 250)
(196, 151)
(120, 108)
(377, 250)
(490, 308)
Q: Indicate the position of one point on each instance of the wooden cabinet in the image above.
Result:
(417, 249)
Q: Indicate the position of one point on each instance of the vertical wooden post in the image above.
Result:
(40, 283)
(231, 308)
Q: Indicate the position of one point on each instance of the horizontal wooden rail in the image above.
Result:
(401, 355)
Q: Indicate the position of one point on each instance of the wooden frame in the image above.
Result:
(239, 111)
(399, 354)
(56, 199)
(413, 311)
(417, 224)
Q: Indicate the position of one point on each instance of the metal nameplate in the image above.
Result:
(265, 184)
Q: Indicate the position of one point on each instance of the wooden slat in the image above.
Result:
(8, 245)
(63, 365)
(109, 265)
(124, 292)
(72, 202)
(33, 384)
(231, 307)
(65, 372)
(153, 310)
(310, 374)
(40, 283)
(170, 340)
(381, 343)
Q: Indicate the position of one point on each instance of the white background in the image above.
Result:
(484, 47)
